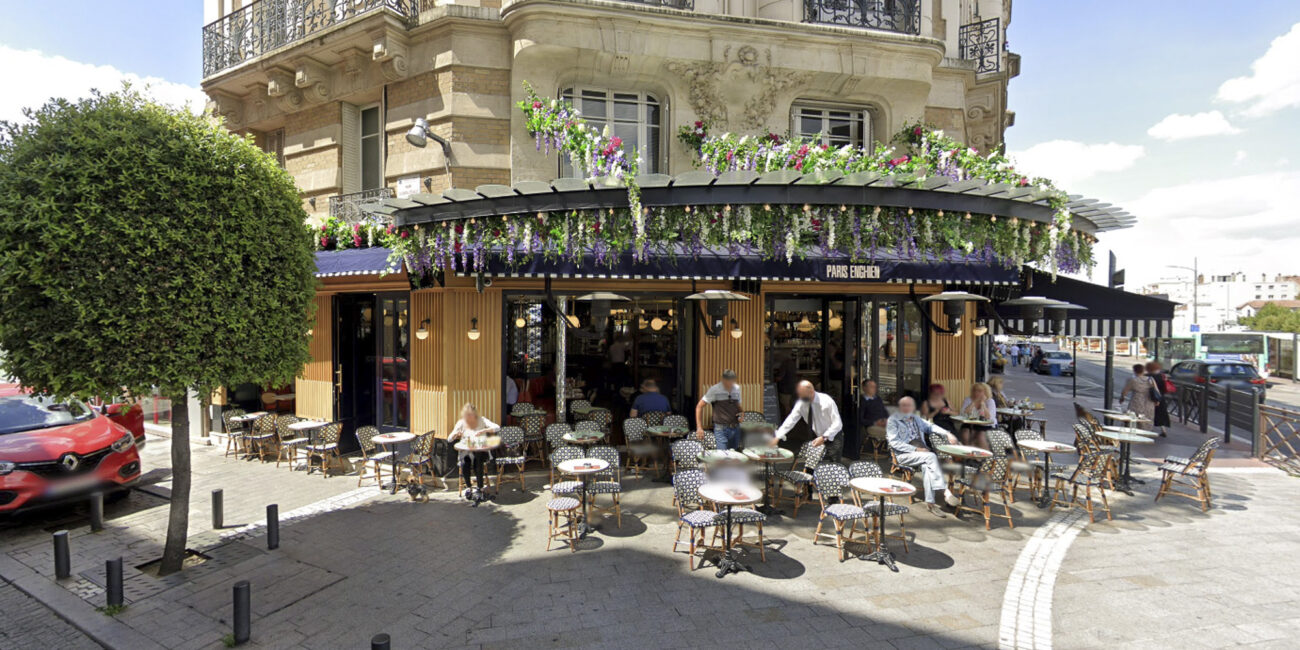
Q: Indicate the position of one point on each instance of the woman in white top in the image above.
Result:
(979, 406)
(471, 425)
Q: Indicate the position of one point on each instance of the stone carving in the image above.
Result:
(702, 78)
(228, 107)
(748, 74)
(279, 82)
(748, 55)
(390, 51)
(770, 84)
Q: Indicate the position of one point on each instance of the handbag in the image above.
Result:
(1153, 392)
(1169, 385)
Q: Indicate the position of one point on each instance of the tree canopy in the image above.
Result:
(1273, 317)
(143, 246)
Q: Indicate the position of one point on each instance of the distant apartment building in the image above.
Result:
(1222, 300)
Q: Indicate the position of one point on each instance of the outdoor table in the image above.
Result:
(664, 434)
(1046, 448)
(718, 456)
(729, 494)
(473, 444)
(1133, 430)
(769, 456)
(757, 427)
(390, 441)
(1126, 442)
(965, 453)
(310, 427)
(584, 468)
(881, 488)
(1131, 418)
(583, 437)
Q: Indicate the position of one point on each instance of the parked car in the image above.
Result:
(129, 415)
(1054, 358)
(1227, 374)
(55, 451)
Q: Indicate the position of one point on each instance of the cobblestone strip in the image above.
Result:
(332, 504)
(1026, 621)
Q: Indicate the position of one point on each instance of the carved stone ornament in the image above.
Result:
(389, 50)
(279, 82)
(746, 79)
(701, 78)
(228, 107)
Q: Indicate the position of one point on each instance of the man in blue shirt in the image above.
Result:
(650, 400)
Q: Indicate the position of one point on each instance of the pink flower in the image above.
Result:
(536, 105)
(405, 234)
(803, 151)
(459, 229)
(356, 241)
(616, 142)
(324, 241)
(730, 154)
(916, 131)
(1023, 182)
(898, 161)
(699, 124)
(356, 227)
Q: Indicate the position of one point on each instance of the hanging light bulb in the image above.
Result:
(736, 332)
(657, 323)
(835, 323)
(573, 320)
(520, 322)
(473, 332)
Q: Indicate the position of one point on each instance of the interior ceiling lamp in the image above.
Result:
(600, 306)
(805, 325)
(835, 323)
(520, 322)
(954, 307)
(473, 332)
(1033, 309)
(423, 332)
(657, 323)
(715, 308)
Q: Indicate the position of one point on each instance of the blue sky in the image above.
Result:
(1221, 182)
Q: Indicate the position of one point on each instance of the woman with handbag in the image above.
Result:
(1165, 387)
(1142, 395)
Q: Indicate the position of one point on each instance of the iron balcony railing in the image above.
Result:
(688, 5)
(981, 42)
(357, 206)
(901, 16)
(265, 25)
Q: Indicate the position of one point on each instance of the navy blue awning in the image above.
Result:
(1108, 312)
(714, 264)
(352, 261)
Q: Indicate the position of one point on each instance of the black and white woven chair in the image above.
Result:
(291, 444)
(263, 437)
(676, 421)
(861, 469)
(601, 417)
(533, 422)
(562, 514)
(1028, 463)
(555, 435)
(989, 480)
(642, 456)
(752, 416)
(326, 446)
(1089, 475)
(653, 418)
(511, 455)
(951, 467)
(607, 482)
(692, 516)
(371, 460)
(577, 404)
(799, 476)
(1190, 473)
(686, 455)
(568, 487)
(234, 433)
(589, 425)
(831, 479)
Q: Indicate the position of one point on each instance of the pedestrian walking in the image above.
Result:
(1141, 394)
(1162, 384)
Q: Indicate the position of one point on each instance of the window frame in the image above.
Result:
(378, 136)
(864, 114)
(573, 93)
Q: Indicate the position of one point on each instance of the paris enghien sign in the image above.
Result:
(852, 272)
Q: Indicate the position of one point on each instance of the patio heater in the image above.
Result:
(954, 309)
(1032, 309)
(600, 306)
(715, 307)
(1056, 315)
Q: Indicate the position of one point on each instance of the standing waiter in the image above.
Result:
(823, 418)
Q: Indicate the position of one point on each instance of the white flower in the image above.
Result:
(554, 104)
(939, 133)
(969, 247)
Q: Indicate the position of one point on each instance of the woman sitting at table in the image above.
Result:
(471, 425)
(936, 409)
(1000, 399)
(979, 406)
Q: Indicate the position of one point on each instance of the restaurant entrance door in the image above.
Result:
(371, 363)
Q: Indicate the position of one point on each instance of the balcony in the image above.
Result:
(688, 5)
(981, 42)
(267, 25)
(900, 16)
(357, 206)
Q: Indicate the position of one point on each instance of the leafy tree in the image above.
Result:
(141, 247)
(1273, 317)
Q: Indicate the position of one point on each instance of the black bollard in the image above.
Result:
(381, 642)
(273, 527)
(218, 517)
(62, 558)
(243, 611)
(96, 512)
(113, 588)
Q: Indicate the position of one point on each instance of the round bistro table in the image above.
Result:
(729, 494)
(768, 456)
(1046, 448)
(882, 488)
(1126, 442)
(664, 435)
(390, 441)
(474, 445)
(583, 468)
(310, 427)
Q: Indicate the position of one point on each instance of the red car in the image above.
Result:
(57, 451)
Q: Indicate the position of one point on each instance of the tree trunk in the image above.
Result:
(178, 519)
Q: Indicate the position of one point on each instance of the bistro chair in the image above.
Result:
(741, 517)
(512, 453)
(555, 435)
(861, 469)
(589, 425)
(326, 446)
(233, 432)
(991, 477)
(685, 455)
(1087, 441)
(676, 422)
(1029, 464)
(642, 456)
(799, 476)
(1192, 473)
(950, 466)
(896, 468)
(1000, 443)
(577, 404)
(290, 444)
(653, 418)
(831, 479)
(533, 423)
(420, 460)
(606, 482)
(601, 417)
(263, 437)
(371, 459)
(691, 513)
(562, 517)
(752, 416)
(519, 409)
(560, 455)
(1088, 474)
(1086, 417)
(710, 441)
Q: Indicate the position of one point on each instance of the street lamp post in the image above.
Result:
(1196, 286)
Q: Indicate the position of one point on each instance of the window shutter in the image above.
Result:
(350, 144)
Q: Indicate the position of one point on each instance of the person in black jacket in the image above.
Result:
(1159, 378)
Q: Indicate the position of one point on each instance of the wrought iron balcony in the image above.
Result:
(265, 25)
(901, 16)
(688, 5)
(981, 42)
(357, 206)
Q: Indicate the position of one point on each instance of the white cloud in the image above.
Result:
(1240, 157)
(1067, 162)
(31, 78)
(1274, 80)
(1181, 127)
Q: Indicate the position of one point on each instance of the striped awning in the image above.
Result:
(1099, 327)
(1108, 312)
(352, 261)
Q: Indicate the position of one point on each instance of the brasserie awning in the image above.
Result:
(1110, 312)
(352, 261)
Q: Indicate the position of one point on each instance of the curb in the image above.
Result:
(102, 629)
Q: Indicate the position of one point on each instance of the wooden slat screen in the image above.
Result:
(744, 355)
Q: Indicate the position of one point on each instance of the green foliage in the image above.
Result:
(111, 610)
(1273, 318)
(145, 246)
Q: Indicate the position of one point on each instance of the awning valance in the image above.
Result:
(352, 261)
(1110, 312)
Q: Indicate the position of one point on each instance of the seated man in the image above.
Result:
(906, 431)
(872, 413)
(650, 400)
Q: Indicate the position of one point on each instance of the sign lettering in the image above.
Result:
(852, 272)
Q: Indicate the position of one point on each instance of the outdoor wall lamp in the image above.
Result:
(736, 332)
(715, 307)
(423, 332)
(419, 136)
(954, 309)
(473, 332)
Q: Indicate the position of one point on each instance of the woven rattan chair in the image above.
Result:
(1190, 473)
(291, 444)
(676, 421)
(752, 416)
(642, 455)
(326, 446)
(1089, 475)
(420, 461)
(1029, 464)
(570, 487)
(233, 432)
(607, 481)
(692, 516)
(861, 469)
(534, 424)
(371, 459)
(263, 437)
(831, 479)
(799, 476)
(511, 455)
(990, 479)
(555, 435)
(653, 418)
(685, 455)
(562, 515)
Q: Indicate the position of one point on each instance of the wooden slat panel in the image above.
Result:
(952, 358)
(314, 399)
(472, 369)
(744, 355)
(321, 365)
(428, 386)
(429, 411)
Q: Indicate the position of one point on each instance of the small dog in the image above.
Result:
(418, 492)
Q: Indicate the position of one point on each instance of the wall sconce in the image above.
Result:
(311, 331)
(736, 332)
(428, 183)
(312, 202)
(712, 308)
(981, 328)
(473, 332)
(423, 332)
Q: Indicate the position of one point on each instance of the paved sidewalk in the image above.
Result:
(29, 624)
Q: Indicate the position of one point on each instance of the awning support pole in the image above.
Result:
(1109, 380)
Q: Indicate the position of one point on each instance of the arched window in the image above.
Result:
(834, 125)
(634, 117)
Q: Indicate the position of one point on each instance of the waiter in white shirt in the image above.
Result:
(823, 418)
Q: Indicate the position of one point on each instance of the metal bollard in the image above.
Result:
(381, 642)
(273, 527)
(96, 512)
(243, 611)
(62, 558)
(218, 517)
(113, 582)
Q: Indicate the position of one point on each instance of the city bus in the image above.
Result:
(1250, 347)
